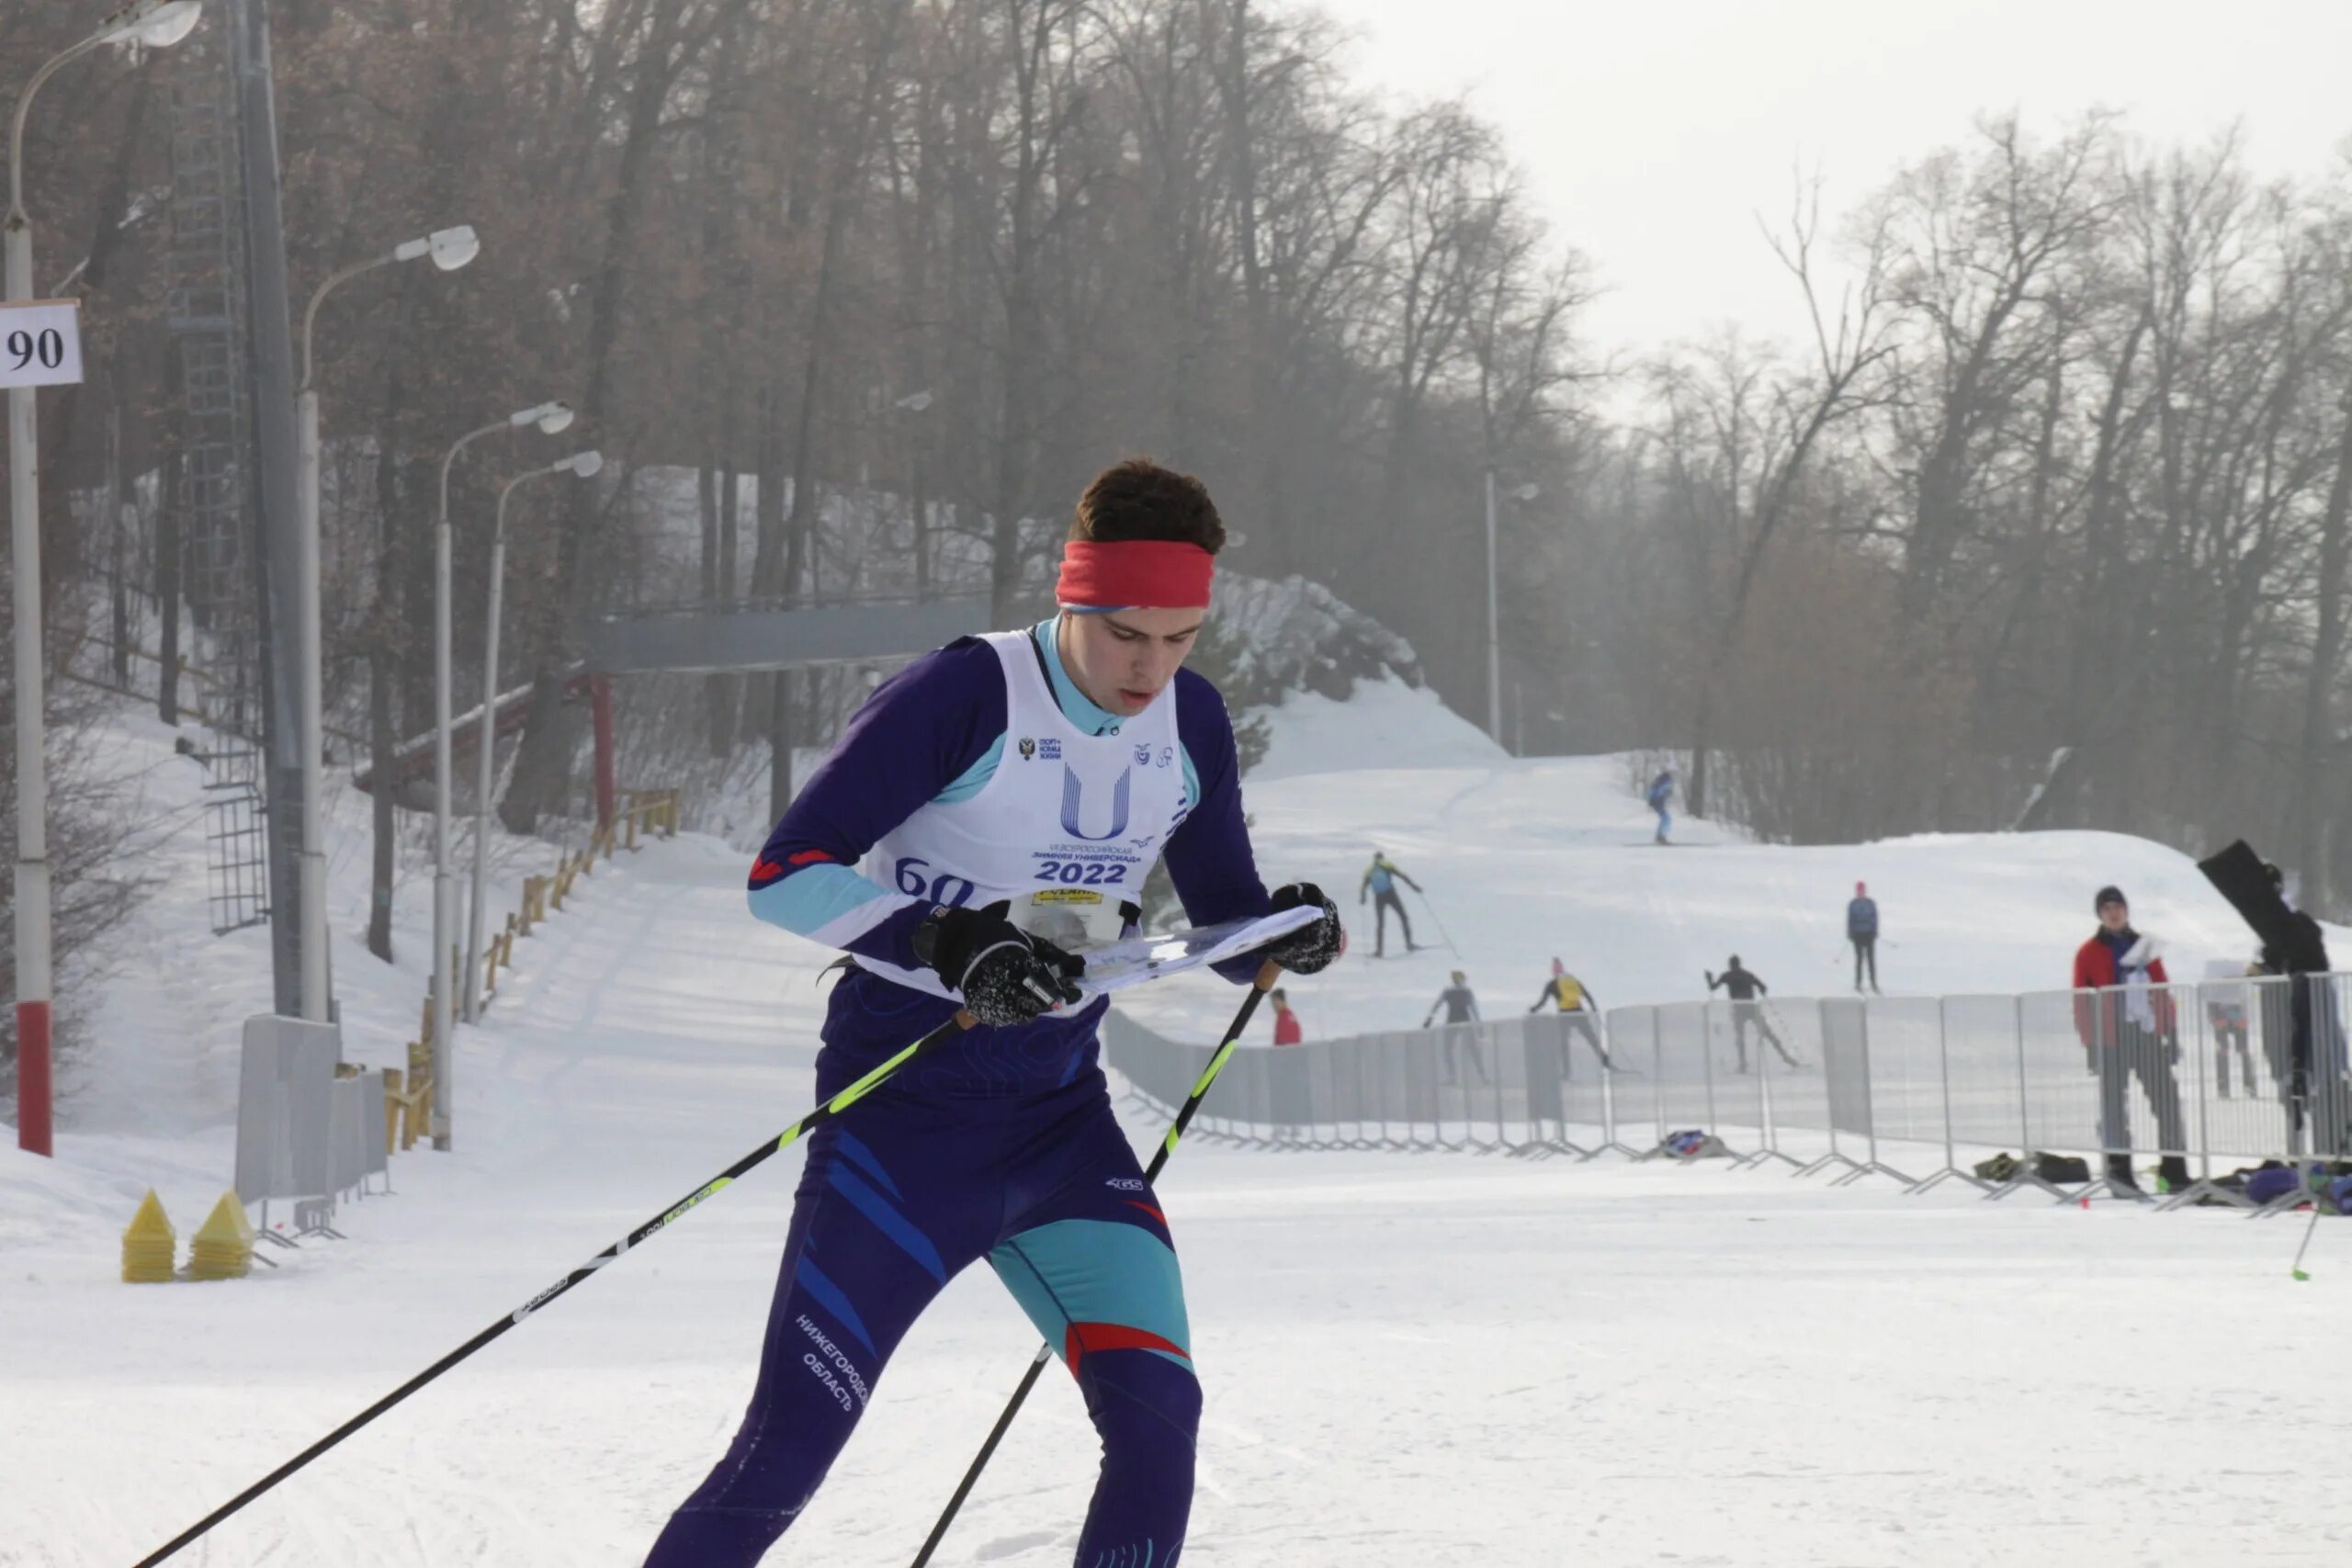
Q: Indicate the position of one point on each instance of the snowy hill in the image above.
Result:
(1386, 723)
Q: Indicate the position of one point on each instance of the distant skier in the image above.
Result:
(1661, 793)
(1861, 929)
(1287, 1031)
(1576, 1004)
(2129, 1029)
(2227, 995)
(1380, 880)
(1461, 1017)
(967, 787)
(1747, 1012)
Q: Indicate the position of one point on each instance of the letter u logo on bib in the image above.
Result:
(1073, 807)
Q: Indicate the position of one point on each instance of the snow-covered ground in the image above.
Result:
(1409, 1360)
(1521, 862)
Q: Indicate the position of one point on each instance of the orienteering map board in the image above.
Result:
(1141, 958)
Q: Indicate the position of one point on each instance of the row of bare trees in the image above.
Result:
(2051, 508)
(2048, 528)
(934, 260)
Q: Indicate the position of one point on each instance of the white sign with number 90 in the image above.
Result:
(40, 343)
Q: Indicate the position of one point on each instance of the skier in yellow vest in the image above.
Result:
(1576, 1004)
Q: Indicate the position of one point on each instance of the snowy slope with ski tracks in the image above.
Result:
(1409, 1360)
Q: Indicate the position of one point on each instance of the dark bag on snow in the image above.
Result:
(2060, 1169)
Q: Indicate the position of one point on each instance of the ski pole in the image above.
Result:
(823, 1113)
(1268, 972)
(1439, 921)
(2306, 1237)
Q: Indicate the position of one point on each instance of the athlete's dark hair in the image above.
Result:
(1136, 498)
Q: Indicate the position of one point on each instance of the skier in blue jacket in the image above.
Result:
(1380, 880)
(991, 811)
(1661, 793)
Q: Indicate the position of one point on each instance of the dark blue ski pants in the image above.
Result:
(898, 1195)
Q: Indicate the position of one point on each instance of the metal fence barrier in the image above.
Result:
(2195, 1079)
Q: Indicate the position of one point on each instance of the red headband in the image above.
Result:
(1135, 574)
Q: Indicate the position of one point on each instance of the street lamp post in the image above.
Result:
(550, 417)
(157, 24)
(1494, 620)
(450, 249)
(586, 465)
(915, 403)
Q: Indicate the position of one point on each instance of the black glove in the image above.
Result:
(1007, 976)
(1312, 948)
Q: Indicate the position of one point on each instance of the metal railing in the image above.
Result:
(1915, 1090)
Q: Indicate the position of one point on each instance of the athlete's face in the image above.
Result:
(1122, 659)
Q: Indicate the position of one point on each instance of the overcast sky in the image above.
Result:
(1653, 134)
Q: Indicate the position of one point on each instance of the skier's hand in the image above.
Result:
(1312, 948)
(1007, 976)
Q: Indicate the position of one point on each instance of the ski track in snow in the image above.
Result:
(1408, 1359)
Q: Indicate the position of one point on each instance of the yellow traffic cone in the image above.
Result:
(148, 1243)
(224, 1247)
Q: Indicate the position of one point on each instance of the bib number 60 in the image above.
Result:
(953, 891)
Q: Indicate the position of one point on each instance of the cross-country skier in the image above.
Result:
(2227, 995)
(1861, 929)
(1461, 1016)
(1576, 1004)
(1380, 880)
(1747, 1012)
(991, 785)
(1661, 793)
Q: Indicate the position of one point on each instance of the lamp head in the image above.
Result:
(553, 418)
(157, 24)
(449, 248)
(587, 465)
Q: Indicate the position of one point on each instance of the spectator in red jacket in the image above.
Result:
(1286, 1027)
(2128, 1027)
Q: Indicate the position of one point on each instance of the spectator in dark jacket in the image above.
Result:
(1861, 929)
(2301, 951)
(2129, 1028)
